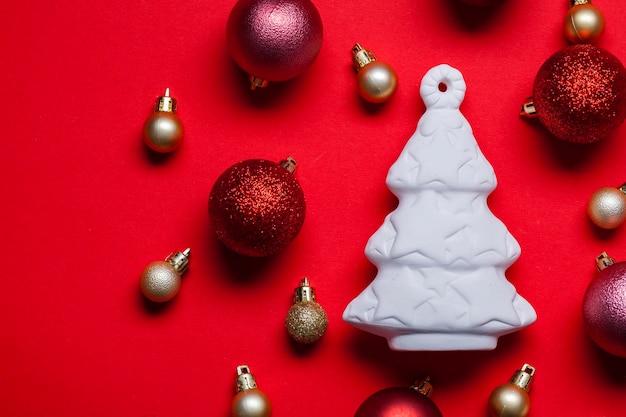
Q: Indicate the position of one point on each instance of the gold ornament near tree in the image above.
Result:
(306, 320)
(511, 399)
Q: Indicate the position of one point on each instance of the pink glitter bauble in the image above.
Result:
(604, 309)
(580, 93)
(274, 40)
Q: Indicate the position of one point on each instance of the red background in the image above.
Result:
(86, 206)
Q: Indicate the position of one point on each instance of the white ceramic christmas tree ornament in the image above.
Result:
(441, 254)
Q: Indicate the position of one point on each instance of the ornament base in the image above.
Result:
(429, 340)
(443, 342)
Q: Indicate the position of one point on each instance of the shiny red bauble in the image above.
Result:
(579, 93)
(257, 207)
(398, 402)
(604, 309)
(274, 40)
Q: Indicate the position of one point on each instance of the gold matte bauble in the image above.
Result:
(160, 282)
(607, 207)
(251, 403)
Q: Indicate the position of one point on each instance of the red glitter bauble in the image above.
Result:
(398, 402)
(604, 309)
(580, 93)
(274, 40)
(256, 207)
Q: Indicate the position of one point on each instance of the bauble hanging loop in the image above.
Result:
(306, 320)
(257, 207)
(249, 400)
(511, 399)
(274, 40)
(376, 80)
(163, 131)
(607, 207)
(413, 401)
(160, 281)
(604, 306)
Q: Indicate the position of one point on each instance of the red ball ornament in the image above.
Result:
(604, 306)
(579, 94)
(257, 207)
(400, 402)
(274, 40)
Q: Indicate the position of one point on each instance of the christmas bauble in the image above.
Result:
(306, 320)
(607, 207)
(274, 40)
(604, 307)
(160, 281)
(584, 23)
(511, 399)
(376, 81)
(579, 93)
(257, 207)
(249, 401)
(163, 131)
(398, 402)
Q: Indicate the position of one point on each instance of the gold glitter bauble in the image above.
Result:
(306, 322)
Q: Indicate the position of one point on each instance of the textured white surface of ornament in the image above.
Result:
(441, 254)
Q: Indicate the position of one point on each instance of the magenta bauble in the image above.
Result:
(579, 93)
(274, 40)
(604, 309)
(257, 207)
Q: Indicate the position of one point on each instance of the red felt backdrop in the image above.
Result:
(86, 207)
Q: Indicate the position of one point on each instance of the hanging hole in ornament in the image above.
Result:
(443, 87)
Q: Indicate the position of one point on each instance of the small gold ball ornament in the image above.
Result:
(160, 280)
(584, 22)
(607, 207)
(306, 320)
(376, 81)
(163, 131)
(512, 399)
(249, 400)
